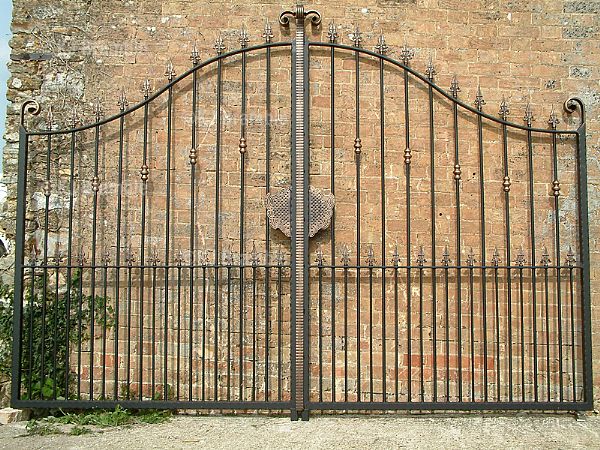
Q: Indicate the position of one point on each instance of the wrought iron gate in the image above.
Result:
(451, 273)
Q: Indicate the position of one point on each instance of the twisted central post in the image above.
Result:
(300, 210)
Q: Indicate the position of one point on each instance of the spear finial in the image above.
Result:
(396, 255)
(370, 256)
(332, 33)
(279, 258)
(528, 117)
(74, 119)
(471, 257)
(122, 101)
(571, 257)
(254, 254)
(98, 112)
(345, 255)
(268, 32)
(454, 87)
(49, 118)
(504, 109)
(430, 71)
(146, 88)
(244, 39)
(381, 47)
(406, 54)
(495, 257)
(219, 45)
(170, 71)
(320, 260)
(446, 256)
(356, 36)
(479, 101)
(195, 55)
(545, 257)
(421, 256)
(553, 120)
(520, 257)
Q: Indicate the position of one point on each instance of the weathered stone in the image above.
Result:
(11, 415)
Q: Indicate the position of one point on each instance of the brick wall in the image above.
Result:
(66, 53)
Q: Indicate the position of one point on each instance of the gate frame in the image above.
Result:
(300, 404)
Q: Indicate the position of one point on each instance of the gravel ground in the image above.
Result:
(473, 431)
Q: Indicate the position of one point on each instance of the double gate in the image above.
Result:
(357, 239)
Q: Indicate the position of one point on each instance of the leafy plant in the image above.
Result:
(99, 418)
(56, 319)
(78, 431)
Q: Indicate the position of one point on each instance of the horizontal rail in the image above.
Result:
(452, 406)
(149, 404)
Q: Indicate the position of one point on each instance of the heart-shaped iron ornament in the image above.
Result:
(279, 210)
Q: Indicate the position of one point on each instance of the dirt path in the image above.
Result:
(474, 431)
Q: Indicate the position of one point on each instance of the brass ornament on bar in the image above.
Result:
(506, 184)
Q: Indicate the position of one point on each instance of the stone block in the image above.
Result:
(11, 415)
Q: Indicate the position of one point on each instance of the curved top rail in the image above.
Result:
(28, 105)
(570, 105)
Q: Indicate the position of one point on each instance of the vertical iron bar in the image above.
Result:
(279, 330)
(167, 245)
(118, 256)
(497, 314)
(573, 351)
(346, 339)
(320, 327)
(533, 262)
(129, 319)
(585, 259)
(229, 331)
(556, 193)
(483, 249)
(47, 192)
(153, 380)
(254, 355)
(433, 237)
(55, 322)
(447, 321)
(216, 243)
(421, 351)
(357, 151)
(19, 272)
(396, 329)
(407, 160)
(203, 393)
(332, 226)
(70, 256)
(472, 327)
(370, 327)
(31, 338)
(522, 326)
(79, 325)
(178, 370)
(383, 229)
(242, 149)
(545, 262)
(457, 178)
(104, 324)
(506, 185)
(95, 185)
(144, 176)
(192, 230)
(267, 227)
